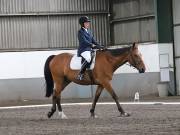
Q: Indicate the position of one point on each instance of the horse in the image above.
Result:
(58, 75)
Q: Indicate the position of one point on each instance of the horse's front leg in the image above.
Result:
(109, 88)
(98, 93)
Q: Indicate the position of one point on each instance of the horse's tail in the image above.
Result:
(48, 77)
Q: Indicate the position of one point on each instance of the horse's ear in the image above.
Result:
(135, 45)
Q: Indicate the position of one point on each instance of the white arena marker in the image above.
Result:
(89, 103)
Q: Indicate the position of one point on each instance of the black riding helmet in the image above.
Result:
(83, 19)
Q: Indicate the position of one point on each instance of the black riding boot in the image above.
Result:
(83, 69)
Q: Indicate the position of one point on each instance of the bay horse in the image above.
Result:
(58, 74)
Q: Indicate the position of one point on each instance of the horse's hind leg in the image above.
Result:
(53, 109)
(64, 84)
(98, 93)
(58, 83)
(109, 88)
(61, 113)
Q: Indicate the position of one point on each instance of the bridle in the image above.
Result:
(134, 63)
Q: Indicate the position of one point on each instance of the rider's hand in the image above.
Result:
(101, 47)
(93, 46)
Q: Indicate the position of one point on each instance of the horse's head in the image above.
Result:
(135, 59)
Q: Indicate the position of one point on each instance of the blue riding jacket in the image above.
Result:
(86, 41)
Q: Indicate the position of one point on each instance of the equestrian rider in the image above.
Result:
(86, 44)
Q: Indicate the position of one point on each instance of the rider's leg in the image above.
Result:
(83, 69)
(87, 56)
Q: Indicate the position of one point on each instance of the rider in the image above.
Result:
(86, 44)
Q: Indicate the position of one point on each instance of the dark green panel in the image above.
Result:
(164, 21)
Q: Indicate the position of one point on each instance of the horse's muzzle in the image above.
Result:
(141, 70)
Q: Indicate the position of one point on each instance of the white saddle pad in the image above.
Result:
(75, 63)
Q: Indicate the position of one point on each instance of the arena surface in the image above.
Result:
(146, 118)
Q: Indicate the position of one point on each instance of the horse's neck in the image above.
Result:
(119, 60)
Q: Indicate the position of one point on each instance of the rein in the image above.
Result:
(134, 63)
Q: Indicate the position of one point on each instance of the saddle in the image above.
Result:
(76, 62)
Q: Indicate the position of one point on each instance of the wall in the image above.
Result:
(176, 20)
(167, 66)
(49, 24)
(132, 21)
(22, 76)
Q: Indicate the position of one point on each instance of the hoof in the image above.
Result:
(93, 116)
(124, 114)
(49, 115)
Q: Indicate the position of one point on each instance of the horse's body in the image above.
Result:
(58, 74)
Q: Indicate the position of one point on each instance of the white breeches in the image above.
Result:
(87, 56)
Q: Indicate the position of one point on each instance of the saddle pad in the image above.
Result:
(75, 63)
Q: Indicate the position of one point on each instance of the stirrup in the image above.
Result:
(80, 77)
